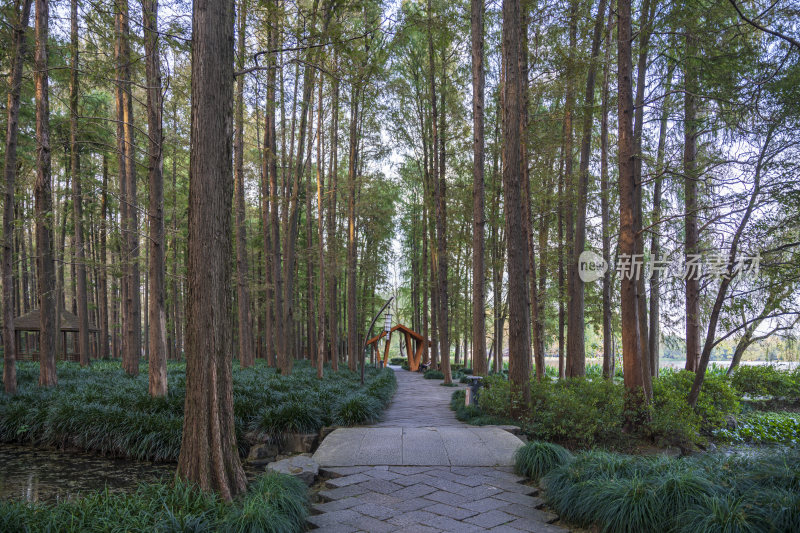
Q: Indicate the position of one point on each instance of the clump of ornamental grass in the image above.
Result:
(357, 409)
(274, 503)
(537, 458)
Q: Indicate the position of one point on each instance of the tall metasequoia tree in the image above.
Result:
(631, 349)
(478, 194)
(605, 191)
(320, 245)
(576, 345)
(126, 153)
(654, 334)
(246, 355)
(353, 347)
(77, 196)
(22, 11)
(43, 194)
(690, 178)
(102, 276)
(209, 456)
(645, 18)
(565, 192)
(157, 334)
(271, 166)
(333, 315)
(519, 348)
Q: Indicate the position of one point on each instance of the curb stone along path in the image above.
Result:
(386, 486)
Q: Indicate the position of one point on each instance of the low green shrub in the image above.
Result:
(102, 409)
(397, 360)
(433, 374)
(766, 380)
(537, 458)
(274, 503)
(584, 412)
(717, 399)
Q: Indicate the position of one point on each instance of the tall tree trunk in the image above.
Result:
(77, 195)
(320, 239)
(22, 11)
(131, 316)
(353, 348)
(48, 304)
(605, 191)
(576, 345)
(271, 148)
(631, 349)
(157, 323)
(691, 176)
(654, 335)
(102, 277)
(209, 456)
(569, 196)
(246, 356)
(519, 314)
(441, 244)
(646, 15)
(333, 315)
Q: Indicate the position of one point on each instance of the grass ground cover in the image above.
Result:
(738, 492)
(274, 503)
(101, 409)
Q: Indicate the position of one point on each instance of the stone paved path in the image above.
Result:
(443, 490)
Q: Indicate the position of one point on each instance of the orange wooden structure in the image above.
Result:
(414, 356)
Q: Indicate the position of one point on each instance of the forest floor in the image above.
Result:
(420, 469)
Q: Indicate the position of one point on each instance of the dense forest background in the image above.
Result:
(355, 138)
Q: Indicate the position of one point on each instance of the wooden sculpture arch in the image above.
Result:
(414, 357)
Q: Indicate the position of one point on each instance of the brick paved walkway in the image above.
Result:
(430, 497)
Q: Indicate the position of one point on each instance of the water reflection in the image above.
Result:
(40, 475)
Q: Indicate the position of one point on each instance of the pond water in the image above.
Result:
(42, 475)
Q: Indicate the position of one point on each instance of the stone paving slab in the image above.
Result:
(418, 446)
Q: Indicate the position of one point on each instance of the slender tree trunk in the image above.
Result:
(631, 352)
(654, 335)
(246, 356)
(646, 15)
(605, 191)
(519, 314)
(352, 310)
(441, 244)
(131, 319)
(281, 342)
(576, 345)
(724, 285)
(77, 195)
(102, 276)
(22, 11)
(157, 322)
(568, 197)
(333, 315)
(48, 304)
(691, 176)
(320, 239)
(209, 456)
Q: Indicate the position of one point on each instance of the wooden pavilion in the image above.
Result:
(414, 356)
(26, 329)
